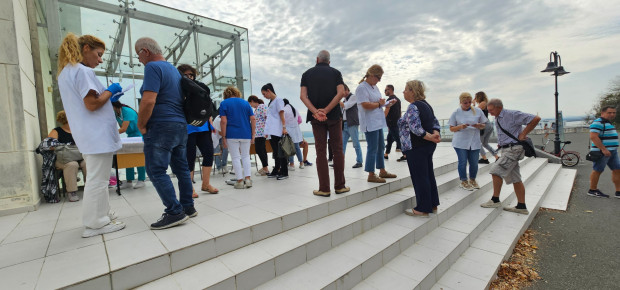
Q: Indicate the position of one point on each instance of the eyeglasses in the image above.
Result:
(378, 77)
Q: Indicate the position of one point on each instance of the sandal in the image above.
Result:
(414, 212)
(194, 194)
(210, 189)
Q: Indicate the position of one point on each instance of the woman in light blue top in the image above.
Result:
(127, 119)
(372, 121)
(466, 123)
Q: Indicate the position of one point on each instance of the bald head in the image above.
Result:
(323, 57)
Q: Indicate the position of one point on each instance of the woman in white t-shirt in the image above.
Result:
(291, 116)
(93, 125)
(275, 127)
(466, 123)
(372, 121)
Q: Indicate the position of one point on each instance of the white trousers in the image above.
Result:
(239, 150)
(96, 201)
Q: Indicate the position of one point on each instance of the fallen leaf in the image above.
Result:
(589, 211)
(552, 218)
(575, 255)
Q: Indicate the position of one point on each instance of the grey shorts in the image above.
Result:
(507, 167)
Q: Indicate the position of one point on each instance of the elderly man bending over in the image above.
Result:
(507, 166)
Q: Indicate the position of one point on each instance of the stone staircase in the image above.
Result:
(364, 241)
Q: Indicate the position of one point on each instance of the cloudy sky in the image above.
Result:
(499, 47)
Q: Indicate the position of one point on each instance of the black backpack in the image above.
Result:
(198, 106)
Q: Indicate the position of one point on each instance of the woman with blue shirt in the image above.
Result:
(201, 137)
(372, 122)
(238, 129)
(418, 130)
(127, 119)
(466, 123)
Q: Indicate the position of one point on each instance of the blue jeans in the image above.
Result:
(352, 131)
(222, 160)
(464, 156)
(300, 157)
(374, 151)
(165, 144)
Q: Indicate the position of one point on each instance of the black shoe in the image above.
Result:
(483, 161)
(385, 156)
(307, 163)
(617, 194)
(168, 221)
(402, 158)
(597, 193)
(331, 165)
(281, 177)
(190, 211)
(272, 175)
(357, 165)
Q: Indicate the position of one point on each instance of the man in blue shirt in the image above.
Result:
(604, 138)
(506, 168)
(162, 123)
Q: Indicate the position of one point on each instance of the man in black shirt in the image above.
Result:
(392, 114)
(321, 90)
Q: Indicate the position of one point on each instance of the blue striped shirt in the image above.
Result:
(607, 132)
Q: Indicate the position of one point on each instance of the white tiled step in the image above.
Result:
(229, 230)
(418, 266)
(349, 263)
(479, 263)
(294, 247)
(559, 193)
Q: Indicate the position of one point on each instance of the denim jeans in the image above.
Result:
(393, 136)
(165, 144)
(221, 160)
(300, 156)
(464, 156)
(353, 132)
(374, 151)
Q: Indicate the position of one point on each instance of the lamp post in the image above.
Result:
(556, 67)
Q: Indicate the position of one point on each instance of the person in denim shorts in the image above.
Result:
(604, 138)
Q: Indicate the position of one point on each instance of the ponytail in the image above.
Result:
(70, 50)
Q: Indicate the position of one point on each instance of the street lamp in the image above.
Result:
(556, 67)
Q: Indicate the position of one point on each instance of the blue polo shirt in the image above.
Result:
(237, 112)
(164, 79)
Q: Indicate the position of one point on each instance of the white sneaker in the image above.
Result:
(232, 181)
(138, 184)
(291, 168)
(112, 215)
(248, 183)
(301, 165)
(240, 185)
(113, 226)
(73, 197)
(126, 184)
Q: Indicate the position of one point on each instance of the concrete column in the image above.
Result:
(19, 132)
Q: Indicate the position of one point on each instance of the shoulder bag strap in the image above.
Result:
(506, 132)
(599, 136)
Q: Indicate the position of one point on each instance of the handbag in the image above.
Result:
(67, 153)
(287, 145)
(528, 145)
(595, 155)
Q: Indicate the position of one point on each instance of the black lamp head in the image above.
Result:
(560, 71)
(551, 66)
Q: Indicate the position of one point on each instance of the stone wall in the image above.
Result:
(19, 130)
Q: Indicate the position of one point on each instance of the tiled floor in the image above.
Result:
(44, 248)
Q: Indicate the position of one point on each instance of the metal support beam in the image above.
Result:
(145, 16)
(238, 64)
(117, 46)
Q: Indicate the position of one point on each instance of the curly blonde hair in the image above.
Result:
(61, 118)
(373, 70)
(70, 50)
(232, 92)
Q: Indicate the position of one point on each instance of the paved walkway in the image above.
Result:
(589, 229)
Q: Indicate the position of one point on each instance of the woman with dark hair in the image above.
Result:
(485, 134)
(419, 134)
(292, 127)
(201, 137)
(276, 128)
(260, 113)
(127, 119)
(89, 112)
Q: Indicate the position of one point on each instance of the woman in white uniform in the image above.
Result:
(90, 114)
(291, 116)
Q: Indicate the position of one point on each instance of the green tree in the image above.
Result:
(609, 98)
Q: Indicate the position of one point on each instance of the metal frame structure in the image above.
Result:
(190, 30)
